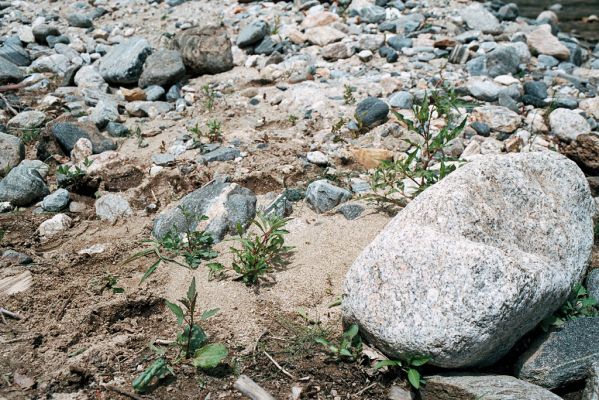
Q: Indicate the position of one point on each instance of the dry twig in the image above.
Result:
(278, 366)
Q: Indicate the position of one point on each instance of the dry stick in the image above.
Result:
(251, 389)
(123, 392)
(278, 366)
(63, 309)
(15, 86)
(10, 314)
(365, 389)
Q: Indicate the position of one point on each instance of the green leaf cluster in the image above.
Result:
(426, 161)
(262, 250)
(409, 366)
(579, 304)
(348, 349)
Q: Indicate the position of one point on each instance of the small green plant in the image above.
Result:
(409, 367)
(141, 143)
(349, 347)
(426, 162)
(337, 126)
(578, 304)
(72, 175)
(276, 26)
(111, 282)
(348, 95)
(292, 119)
(209, 97)
(191, 343)
(29, 135)
(215, 131)
(260, 251)
(189, 245)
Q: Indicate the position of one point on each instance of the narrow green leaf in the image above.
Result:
(150, 271)
(191, 291)
(387, 363)
(209, 314)
(419, 361)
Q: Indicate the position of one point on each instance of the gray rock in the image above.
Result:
(266, 47)
(26, 121)
(536, 89)
(592, 283)
(104, 112)
(12, 151)
(124, 62)
(150, 109)
(479, 18)
(42, 31)
(9, 72)
(402, 100)
(56, 63)
(483, 88)
(15, 54)
(253, 33)
(502, 61)
(162, 68)
(154, 92)
(481, 128)
(67, 134)
(88, 77)
(79, 20)
(225, 204)
(15, 257)
(546, 61)
(372, 111)
(57, 201)
(42, 168)
(563, 356)
(116, 129)
(317, 157)
(469, 266)
(508, 12)
(372, 14)
(206, 50)
(223, 153)
(484, 387)
(22, 186)
(111, 207)
(351, 210)
(567, 124)
(163, 159)
(398, 42)
(323, 196)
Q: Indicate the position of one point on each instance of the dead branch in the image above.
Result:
(278, 366)
(251, 389)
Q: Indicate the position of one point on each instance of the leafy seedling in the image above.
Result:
(348, 95)
(426, 161)
(186, 248)
(209, 97)
(262, 251)
(409, 367)
(348, 349)
(579, 304)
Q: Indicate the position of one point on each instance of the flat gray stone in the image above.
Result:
(323, 196)
(57, 201)
(225, 204)
(478, 386)
(253, 33)
(223, 153)
(111, 207)
(479, 18)
(124, 62)
(563, 356)
(475, 261)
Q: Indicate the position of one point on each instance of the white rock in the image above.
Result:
(55, 225)
(498, 118)
(317, 157)
(568, 124)
(475, 261)
(111, 207)
(81, 150)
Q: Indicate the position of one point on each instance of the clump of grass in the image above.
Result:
(348, 95)
(209, 97)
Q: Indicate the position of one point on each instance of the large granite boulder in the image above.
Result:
(225, 204)
(475, 261)
(22, 186)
